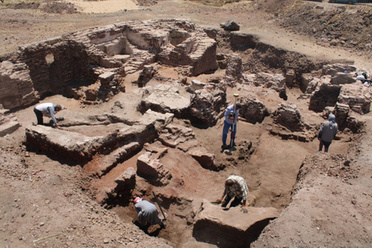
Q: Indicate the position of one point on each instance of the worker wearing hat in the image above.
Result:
(231, 118)
(327, 132)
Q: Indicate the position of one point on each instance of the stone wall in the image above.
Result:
(65, 64)
(16, 88)
(56, 64)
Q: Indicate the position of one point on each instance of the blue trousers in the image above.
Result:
(226, 128)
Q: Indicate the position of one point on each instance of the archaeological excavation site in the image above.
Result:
(143, 106)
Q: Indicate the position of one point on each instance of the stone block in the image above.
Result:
(63, 145)
(126, 181)
(223, 228)
(165, 99)
(356, 96)
(109, 161)
(152, 169)
(306, 78)
(325, 95)
(342, 78)
(8, 127)
(288, 116)
(253, 110)
(205, 159)
(206, 104)
(290, 77)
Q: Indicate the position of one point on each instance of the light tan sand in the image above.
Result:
(107, 6)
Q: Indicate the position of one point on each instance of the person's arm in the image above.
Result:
(223, 195)
(320, 132)
(51, 111)
(220, 200)
(236, 116)
(227, 113)
(244, 189)
(244, 206)
(336, 130)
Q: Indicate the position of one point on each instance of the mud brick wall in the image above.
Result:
(326, 96)
(48, 67)
(56, 64)
(53, 66)
(16, 87)
(77, 59)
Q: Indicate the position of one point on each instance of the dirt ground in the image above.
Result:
(48, 204)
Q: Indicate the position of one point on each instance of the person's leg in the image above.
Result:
(233, 136)
(155, 219)
(236, 202)
(226, 127)
(320, 145)
(326, 146)
(161, 224)
(39, 116)
(226, 201)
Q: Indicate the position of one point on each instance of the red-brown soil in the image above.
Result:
(48, 204)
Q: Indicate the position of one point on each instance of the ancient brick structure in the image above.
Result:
(67, 64)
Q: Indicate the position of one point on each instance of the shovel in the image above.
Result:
(161, 209)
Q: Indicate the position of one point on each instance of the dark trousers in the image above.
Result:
(234, 203)
(39, 116)
(326, 145)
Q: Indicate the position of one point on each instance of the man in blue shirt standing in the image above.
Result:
(231, 118)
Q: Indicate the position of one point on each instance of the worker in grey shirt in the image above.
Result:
(48, 109)
(147, 213)
(327, 132)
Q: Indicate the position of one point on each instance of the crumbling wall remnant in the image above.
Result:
(64, 65)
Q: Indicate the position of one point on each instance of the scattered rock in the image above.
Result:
(253, 110)
(206, 104)
(204, 158)
(146, 75)
(230, 26)
(289, 116)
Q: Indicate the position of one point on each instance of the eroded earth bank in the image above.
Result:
(143, 115)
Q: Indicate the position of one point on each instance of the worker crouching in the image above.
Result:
(236, 189)
(147, 213)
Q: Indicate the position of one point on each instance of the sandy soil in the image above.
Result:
(46, 204)
(105, 6)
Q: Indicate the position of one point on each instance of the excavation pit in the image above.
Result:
(140, 140)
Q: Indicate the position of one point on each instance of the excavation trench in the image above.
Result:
(154, 94)
(190, 189)
(262, 159)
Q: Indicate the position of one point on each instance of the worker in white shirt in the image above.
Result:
(47, 109)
